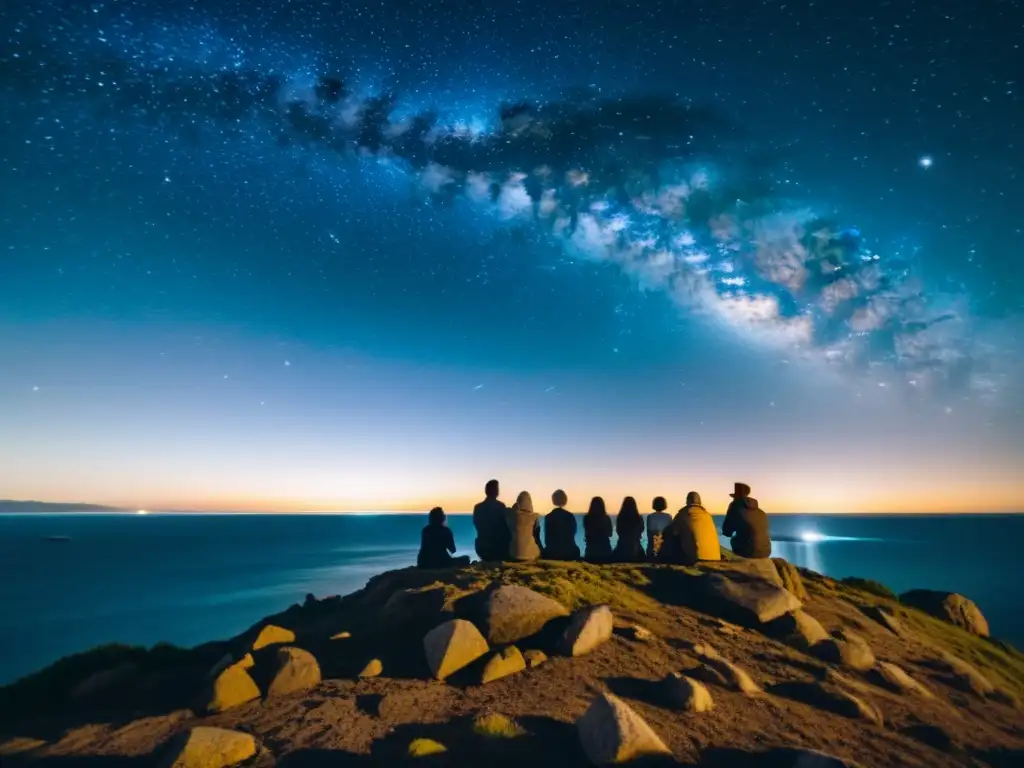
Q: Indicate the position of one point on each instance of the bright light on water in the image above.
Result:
(142, 512)
(811, 537)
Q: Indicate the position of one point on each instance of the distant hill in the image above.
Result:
(10, 505)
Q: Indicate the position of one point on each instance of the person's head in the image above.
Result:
(436, 516)
(740, 491)
(523, 502)
(491, 489)
(559, 499)
(694, 498)
(659, 504)
(629, 508)
(597, 508)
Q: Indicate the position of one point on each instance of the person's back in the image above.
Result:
(629, 527)
(492, 536)
(524, 529)
(560, 531)
(747, 525)
(695, 532)
(657, 522)
(597, 532)
(437, 543)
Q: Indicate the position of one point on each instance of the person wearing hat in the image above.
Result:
(560, 531)
(695, 532)
(747, 525)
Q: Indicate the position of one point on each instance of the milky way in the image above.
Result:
(654, 184)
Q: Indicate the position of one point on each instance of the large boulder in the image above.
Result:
(717, 669)
(452, 646)
(204, 747)
(790, 577)
(611, 733)
(297, 670)
(687, 694)
(948, 606)
(588, 628)
(762, 568)
(510, 613)
(846, 648)
(231, 688)
(897, 680)
(505, 662)
(798, 629)
(412, 605)
(271, 634)
(752, 601)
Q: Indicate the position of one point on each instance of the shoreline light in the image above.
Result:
(811, 537)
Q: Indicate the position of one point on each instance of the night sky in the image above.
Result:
(366, 255)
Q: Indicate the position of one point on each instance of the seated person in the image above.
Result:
(695, 532)
(560, 531)
(657, 522)
(437, 544)
(747, 524)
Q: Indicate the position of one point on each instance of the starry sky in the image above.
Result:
(325, 255)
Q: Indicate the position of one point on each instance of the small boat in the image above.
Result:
(57, 538)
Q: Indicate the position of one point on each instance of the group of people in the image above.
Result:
(517, 532)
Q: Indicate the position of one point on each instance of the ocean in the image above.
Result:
(187, 579)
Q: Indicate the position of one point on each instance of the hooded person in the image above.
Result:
(489, 521)
(747, 525)
(560, 531)
(695, 532)
(524, 529)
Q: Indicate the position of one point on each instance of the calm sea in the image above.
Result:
(187, 579)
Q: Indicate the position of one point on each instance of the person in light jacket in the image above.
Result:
(657, 522)
(695, 532)
(524, 528)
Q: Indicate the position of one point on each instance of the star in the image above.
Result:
(287, 363)
(925, 161)
(35, 389)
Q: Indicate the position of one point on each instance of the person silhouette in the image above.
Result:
(524, 529)
(630, 529)
(437, 544)
(597, 532)
(695, 531)
(747, 525)
(657, 522)
(560, 531)
(492, 535)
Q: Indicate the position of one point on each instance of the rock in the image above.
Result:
(20, 746)
(246, 662)
(798, 629)
(791, 757)
(685, 693)
(611, 733)
(830, 698)
(204, 747)
(638, 633)
(753, 600)
(948, 606)
(231, 688)
(895, 679)
(341, 635)
(495, 726)
(966, 677)
(846, 648)
(534, 658)
(297, 670)
(722, 671)
(791, 579)
(505, 662)
(510, 613)
(425, 748)
(588, 628)
(745, 569)
(102, 681)
(413, 605)
(453, 645)
(373, 668)
(932, 735)
(886, 618)
(272, 635)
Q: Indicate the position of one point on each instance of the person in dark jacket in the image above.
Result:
(560, 531)
(597, 532)
(437, 544)
(492, 535)
(747, 524)
(629, 527)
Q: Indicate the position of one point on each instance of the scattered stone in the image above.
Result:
(830, 698)
(790, 757)
(204, 747)
(231, 688)
(724, 672)
(638, 633)
(791, 579)
(966, 677)
(611, 733)
(272, 635)
(846, 648)
(452, 646)
(886, 618)
(20, 746)
(534, 658)
(104, 680)
(227, 660)
(510, 613)
(798, 629)
(754, 600)
(505, 662)
(685, 693)
(588, 628)
(948, 606)
(345, 635)
(373, 668)
(497, 726)
(297, 670)
(895, 679)
(426, 748)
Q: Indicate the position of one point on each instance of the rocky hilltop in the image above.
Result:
(733, 663)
